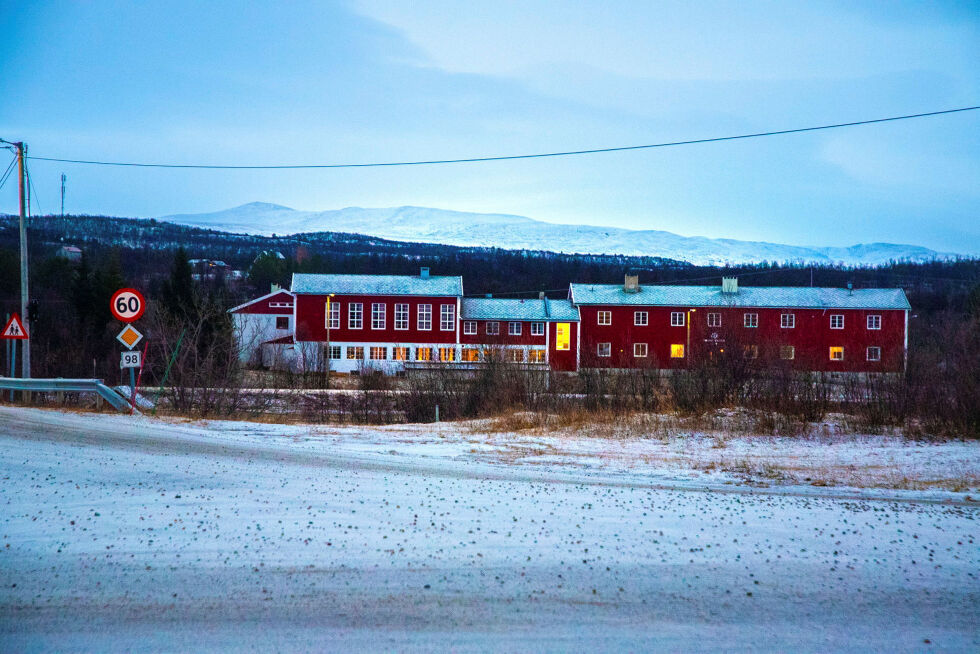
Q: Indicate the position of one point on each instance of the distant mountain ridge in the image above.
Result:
(422, 224)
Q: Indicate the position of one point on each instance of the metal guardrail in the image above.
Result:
(67, 385)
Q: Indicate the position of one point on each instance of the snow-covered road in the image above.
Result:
(121, 533)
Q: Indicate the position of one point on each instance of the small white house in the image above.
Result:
(264, 329)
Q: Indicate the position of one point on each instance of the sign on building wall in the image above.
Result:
(563, 336)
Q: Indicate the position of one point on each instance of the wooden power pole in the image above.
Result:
(25, 361)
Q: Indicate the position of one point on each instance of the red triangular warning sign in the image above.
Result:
(14, 329)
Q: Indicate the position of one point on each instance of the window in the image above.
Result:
(447, 318)
(447, 354)
(425, 317)
(334, 352)
(515, 356)
(281, 305)
(537, 329)
(471, 354)
(378, 316)
(874, 353)
(604, 317)
(469, 327)
(400, 353)
(787, 352)
(493, 327)
(355, 352)
(639, 350)
(282, 322)
(423, 354)
(514, 329)
(536, 356)
(874, 322)
(379, 353)
(563, 336)
(750, 352)
(714, 320)
(677, 351)
(334, 322)
(837, 321)
(676, 318)
(604, 349)
(787, 320)
(641, 318)
(836, 354)
(401, 317)
(750, 320)
(355, 315)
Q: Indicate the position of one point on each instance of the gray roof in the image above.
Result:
(747, 296)
(309, 284)
(501, 309)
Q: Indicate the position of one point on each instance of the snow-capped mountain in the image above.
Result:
(428, 225)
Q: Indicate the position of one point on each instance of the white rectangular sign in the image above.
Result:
(131, 359)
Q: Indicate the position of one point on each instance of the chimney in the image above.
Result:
(632, 284)
(274, 288)
(489, 295)
(729, 285)
(424, 273)
(850, 288)
(540, 295)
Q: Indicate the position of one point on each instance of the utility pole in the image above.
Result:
(63, 179)
(21, 177)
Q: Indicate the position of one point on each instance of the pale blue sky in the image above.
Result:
(318, 82)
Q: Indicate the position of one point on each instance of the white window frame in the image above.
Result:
(640, 350)
(401, 316)
(676, 318)
(537, 329)
(424, 321)
(714, 320)
(493, 328)
(877, 350)
(335, 349)
(837, 321)
(750, 320)
(874, 321)
(333, 318)
(641, 318)
(603, 347)
(406, 350)
(355, 315)
(447, 318)
(470, 327)
(537, 356)
(514, 329)
(353, 350)
(383, 349)
(787, 321)
(379, 315)
(603, 317)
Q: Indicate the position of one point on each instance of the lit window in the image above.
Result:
(423, 354)
(787, 320)
(514, 329)
(469, 327)
(334, 315)
(516, 356)
(714, 320)
(676, 318)
(334, 352)
(355, 353)
(355, 315)
(751, 352)
(379, 353)
(874, 353)
(282, 322)
(641, 318)
(447, 354)
(787, 352)
(677, 351)
(874, 322)
(537, 329)
(605, 317)
(836, 354)
(401, 316)
(425, 317)
(639, 349)
(536, 356)
(378, 316)
(604, 349)
(400, 353)
(750, 320)
(471, 354)
(447, 318)
(837, 321)
(493, 327)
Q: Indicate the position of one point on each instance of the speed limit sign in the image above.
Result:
(127, 304)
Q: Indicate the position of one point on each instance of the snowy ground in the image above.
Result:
(125, 533)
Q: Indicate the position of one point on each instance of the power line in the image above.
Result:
(507, 157)
(6, 174)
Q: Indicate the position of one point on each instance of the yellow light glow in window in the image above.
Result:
(677, 351)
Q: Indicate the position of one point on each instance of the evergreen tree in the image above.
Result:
(178, 296)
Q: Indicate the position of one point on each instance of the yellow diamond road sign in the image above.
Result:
(129, 336)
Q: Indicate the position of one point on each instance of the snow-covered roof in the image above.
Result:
(747, 296)
(310, 284)
(505, 309)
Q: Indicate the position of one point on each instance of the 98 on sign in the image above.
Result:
(127, 304)
(132, 359)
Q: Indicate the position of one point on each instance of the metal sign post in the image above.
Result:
(12, 332)
(127, 305)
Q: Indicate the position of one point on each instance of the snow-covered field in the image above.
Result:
(120, 533)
